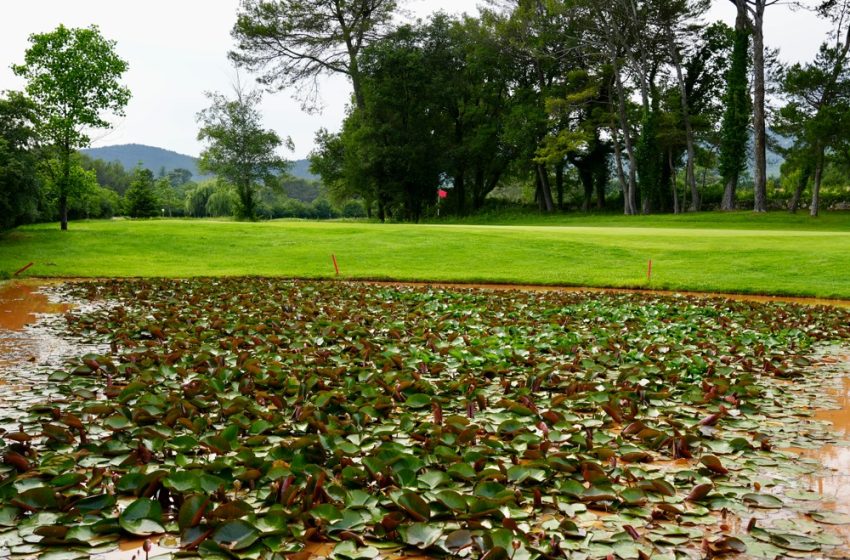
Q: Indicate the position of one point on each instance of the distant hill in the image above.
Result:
(157, 158)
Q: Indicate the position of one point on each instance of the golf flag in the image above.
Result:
(442, 193)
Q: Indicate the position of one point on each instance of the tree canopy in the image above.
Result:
(239, 150)
(73, 78)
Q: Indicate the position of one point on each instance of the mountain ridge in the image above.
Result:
(156, 159)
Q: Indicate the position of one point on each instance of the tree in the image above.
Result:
(817, 114)
(71, 178)
(736, 116)
(240, 150)
(19, 186)
(401, 133)
(674, 16)
(294, 42)
(109, 174)
(72, 77)
(751, 12)
(141, 201)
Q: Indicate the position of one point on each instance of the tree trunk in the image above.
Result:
(64, 188)
(805, 174)
(621, 175)
(690, 177)
(676, 209)
(460, 191)
(760, 172)
(559, 185)
(729, 194)
(819, 164)
(631, 204)
(585, 174)
(63, 212)
(545, 189)
(601, 181)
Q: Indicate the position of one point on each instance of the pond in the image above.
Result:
(384, 420)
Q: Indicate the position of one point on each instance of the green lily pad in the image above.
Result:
(142, 518)
(235, 535)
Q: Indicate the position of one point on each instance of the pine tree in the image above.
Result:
(140, 198)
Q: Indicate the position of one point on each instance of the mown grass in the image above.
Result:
(742, 253)
(513, 215)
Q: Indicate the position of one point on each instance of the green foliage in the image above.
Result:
(293, 42)
(817, 112)
(111, 175)
(222, 202)
(140, 200)
(651, 162)
(74, 182)
(498, 405)
(19, 185)
(239, 150)
(353, 209)
(73, 77)
(197, 197)
(736, 118)
(97, 202)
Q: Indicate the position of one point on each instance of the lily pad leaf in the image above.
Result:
(235, 535)
(143, 517)
(418, 400)
(415, 506)
(95, 503)
(763, 501)
(421, 535)
(830, 517)
(458, 540)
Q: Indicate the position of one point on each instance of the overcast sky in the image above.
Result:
(177, 50)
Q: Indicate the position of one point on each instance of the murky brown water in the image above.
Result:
(21, 302)
(835, 486)
(31, 344)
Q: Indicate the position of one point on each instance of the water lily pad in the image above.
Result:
(415, 506)
(421, 535)
(764, 501)
(830, 517)
(235, 535)
(142, 518)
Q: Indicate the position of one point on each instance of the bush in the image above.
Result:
(353, 209)
(323, 210)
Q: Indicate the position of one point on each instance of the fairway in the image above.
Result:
(696, 256)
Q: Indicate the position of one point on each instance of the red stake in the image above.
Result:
(649, 272)
(24, 268)
(336, 266)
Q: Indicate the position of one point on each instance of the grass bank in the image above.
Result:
(711, 252)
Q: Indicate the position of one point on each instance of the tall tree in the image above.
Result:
(240, 151)
(736, 116)
(294, 42)
(73, 76)
(752, 12)
(677, 17)
(817, 114)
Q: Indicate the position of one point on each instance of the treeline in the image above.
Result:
(639, 103)
(103, 189)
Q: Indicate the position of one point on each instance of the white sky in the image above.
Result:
(177, 50)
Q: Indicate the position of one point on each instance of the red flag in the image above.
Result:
(442, 193)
